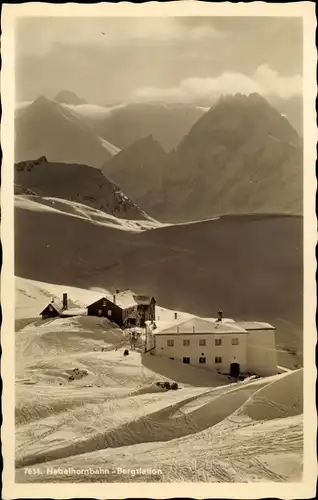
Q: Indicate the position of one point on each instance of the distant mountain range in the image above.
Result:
(48, 128)
(241, 156)
(166, 123)
(77, 183)
(119, 125)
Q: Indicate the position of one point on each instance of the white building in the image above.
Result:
(223, 345)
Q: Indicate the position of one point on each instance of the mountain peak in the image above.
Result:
(254, 97)
(51, 129)
(68, 97)
(237, 118)
(145, 146)
(42, 99)
(41, 105)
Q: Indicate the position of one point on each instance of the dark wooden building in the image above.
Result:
(61, 308)
(55, 308)
(146, 308)
(52, 310)
(124, 309)
(108, 309)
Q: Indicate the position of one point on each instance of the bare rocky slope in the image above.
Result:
(73, 182)
(242, 156)
(48, 128)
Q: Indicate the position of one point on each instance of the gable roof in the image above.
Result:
(125, 299)
(58, 306)
(197, 326)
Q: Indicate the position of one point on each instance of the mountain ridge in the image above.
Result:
(75, 182)
(49, 128)
(241, 156)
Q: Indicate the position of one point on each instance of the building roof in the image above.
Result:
(255, 325)
(197, 326)
(58, 306)
(143, 300)
(126, 299)
(73, 312)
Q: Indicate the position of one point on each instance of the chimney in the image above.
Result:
(52, 300)
(114, 298)
(193, 330)
(117, 291)
(220, 315)
(175, 315)
(64, 300)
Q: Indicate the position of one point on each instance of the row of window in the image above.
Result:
(100, 312)
(202, 360)
(186, 342)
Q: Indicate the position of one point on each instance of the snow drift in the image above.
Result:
(113, 416)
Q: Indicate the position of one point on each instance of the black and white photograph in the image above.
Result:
(158, 171)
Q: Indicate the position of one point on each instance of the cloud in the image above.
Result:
(265, 81)
(41, 35)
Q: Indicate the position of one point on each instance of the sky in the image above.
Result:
(168, 59)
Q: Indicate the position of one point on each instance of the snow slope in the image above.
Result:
(74, 209)
(80, 403)
(77, 183)
(115, 416)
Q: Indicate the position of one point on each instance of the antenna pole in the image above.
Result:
(146, 339)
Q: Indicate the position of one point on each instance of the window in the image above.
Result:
(235, 341)
(186, 342)
(186, 361)
(202, 360)
(109, 312)
(218, 341)
(104, 303)
(170, 343)
(218, 360)
(202, 342)
(171, 358)
(99, 312)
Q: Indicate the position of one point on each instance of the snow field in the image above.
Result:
(116, 417)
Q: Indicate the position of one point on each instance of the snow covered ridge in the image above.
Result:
(79, 210)
(76, 183)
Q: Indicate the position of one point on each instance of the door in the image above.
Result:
(186, 361)
(234, 369)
